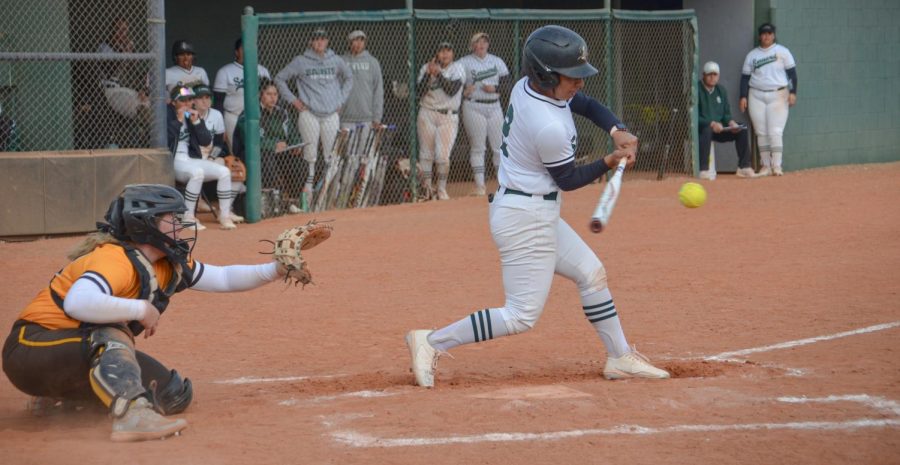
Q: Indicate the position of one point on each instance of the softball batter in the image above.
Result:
(75, 341)
(769, 88)
(539, 141)
(482, 115)
(440, 89)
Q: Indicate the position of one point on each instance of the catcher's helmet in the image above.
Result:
(134, 216)
(554, 50)
(182, 46)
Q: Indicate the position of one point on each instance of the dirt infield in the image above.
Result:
(776, 306)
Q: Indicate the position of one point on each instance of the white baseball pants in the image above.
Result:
(194, 172)
(483, 120)
(769, 113)
(314, 129)
(437, 135)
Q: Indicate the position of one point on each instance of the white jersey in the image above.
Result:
(435, 98)
(538, 133)
(176, 75)
(766, 67)
(230, 80)
(481, 72)
(214, 122)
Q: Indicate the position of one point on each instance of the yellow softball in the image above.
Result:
(692, 195)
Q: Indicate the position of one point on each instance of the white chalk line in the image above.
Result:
(283, 379)
(356, 439)
(360, 394)
(728, 356)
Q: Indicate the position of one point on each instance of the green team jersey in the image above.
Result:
(713, 105)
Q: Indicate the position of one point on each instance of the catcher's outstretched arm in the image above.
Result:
(233, 278)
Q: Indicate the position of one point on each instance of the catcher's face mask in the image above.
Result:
(181, 234)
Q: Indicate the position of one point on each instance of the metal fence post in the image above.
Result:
(413, 139)
(517, 52)
(250, 28)
(156, 34)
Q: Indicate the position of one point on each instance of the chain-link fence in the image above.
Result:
(646, 64)
(76, 74)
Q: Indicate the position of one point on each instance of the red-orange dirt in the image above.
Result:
(320, 375)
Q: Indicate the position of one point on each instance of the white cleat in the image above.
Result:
(226, 223)
(237, 218)
(706, 174)
(424, 356)
(764, 171)
(442, 194)
(745, 173)
(632, 365)
(777, 171)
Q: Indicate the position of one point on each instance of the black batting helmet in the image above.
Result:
(554, 50)
(182, 46)
(133, 216)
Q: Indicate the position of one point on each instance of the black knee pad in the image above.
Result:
(174, 397)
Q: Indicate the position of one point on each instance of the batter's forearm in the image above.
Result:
(593, 110)
(569, 178)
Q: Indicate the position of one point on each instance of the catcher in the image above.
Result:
(75, 341)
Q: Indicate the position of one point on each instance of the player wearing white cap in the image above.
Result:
(482, 115)
(768, 88)
(716, 124)
(228, 89)
(440, 91)
(539, 144)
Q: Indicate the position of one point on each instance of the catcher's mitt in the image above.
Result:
(292, 241)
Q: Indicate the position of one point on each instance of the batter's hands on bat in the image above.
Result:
(792, 99)
(625, 140)
(612, 160)
(743, 104)
(150, 320)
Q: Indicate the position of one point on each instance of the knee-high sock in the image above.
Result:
(777, 145)
(765, 150)
(478, 173)
(443, 170)
(480, 326)
(190, 198)
(310, 176)
(601, 313)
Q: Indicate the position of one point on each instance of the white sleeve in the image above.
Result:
(221, 84)
(263, 72)
(203, 77)
(232, 278)
(788, 59)
(87, 301)
(748, 64)
(554, 146)
(504, 71)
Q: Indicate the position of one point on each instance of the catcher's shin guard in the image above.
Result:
(173, 397)
(115, 374)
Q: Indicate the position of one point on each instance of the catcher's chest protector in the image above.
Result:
(150, 289)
